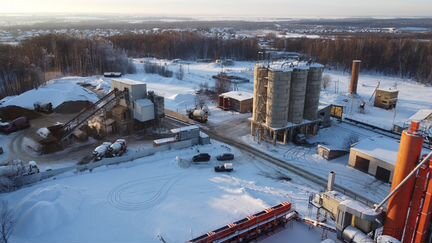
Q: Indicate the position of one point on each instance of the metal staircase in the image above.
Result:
(90, 111)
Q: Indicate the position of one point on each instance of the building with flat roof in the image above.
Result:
(239, 101)
(376, 156)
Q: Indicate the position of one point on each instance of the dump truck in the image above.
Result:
(15, 125)
(101, 151)
(226, 167)
(118, 148)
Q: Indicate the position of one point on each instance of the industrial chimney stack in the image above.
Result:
(354, 76)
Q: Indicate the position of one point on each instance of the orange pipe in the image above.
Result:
(426, 213)
(416, 204)
(409, 153)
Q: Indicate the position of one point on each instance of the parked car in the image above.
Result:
(203, 157)
(227, 167)
(101, 151)
(15, 125)
(224, 157)
(1, 150)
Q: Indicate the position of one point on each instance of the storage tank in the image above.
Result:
(278, 93)
(297, 95)
(260, 93)
(313, 89)
(409, 153)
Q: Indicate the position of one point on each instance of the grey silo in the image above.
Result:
(313, 89)
(297, 95)
(260, 94)
(278, 93)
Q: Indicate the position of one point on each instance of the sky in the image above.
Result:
(258, 8)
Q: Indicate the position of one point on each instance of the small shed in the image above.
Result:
(239, 101)
(376, 156)
(386, 98)
(329, 153)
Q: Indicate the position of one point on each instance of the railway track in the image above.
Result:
(277, 162)
(380, 130)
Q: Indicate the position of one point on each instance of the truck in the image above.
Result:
(101, 151)
(118, 148)
(43, 107)
(226, 167)
(32, 168)
(199, 115)
(15, 125)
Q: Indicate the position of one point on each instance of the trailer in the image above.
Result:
(251, 227)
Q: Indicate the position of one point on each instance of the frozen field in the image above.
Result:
(137, 201)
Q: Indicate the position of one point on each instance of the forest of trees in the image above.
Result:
(185, 45)
(405, 57)
(22, 67)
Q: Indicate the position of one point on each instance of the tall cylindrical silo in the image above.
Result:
(313, 89)
(297, 95)
(260, 93)
(278, 93)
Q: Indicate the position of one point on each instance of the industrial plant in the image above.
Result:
(286, 101)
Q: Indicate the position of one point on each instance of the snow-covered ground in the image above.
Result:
(308, 159)
(412, 97)
(180, 94)
(151, 196)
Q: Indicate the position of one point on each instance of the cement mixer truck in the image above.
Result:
(118, 148)
(198, 115)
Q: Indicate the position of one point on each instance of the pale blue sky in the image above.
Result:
(247, 8)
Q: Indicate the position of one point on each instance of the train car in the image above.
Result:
(251, 227)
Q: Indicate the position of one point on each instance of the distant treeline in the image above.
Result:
(23, 67)
(405, 57)
(185, 45)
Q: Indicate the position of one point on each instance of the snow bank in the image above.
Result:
(180, 101)
(46, 208)
(56, 91)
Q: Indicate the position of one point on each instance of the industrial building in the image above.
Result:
(136, 108)
(386, 98)
(286, 101)
(126, 108)
(424, 117)
(376, 156)
(190, 133)
(239, 101)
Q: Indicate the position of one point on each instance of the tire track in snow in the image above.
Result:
(143, 193)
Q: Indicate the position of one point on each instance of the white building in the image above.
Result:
(376, 156)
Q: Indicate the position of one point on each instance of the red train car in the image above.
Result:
(250, 227)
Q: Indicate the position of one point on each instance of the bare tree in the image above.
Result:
(350, 140)
(7, 221)
(222, 85)
(326, 80)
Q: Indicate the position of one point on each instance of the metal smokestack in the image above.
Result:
(354, 76)
(331, 181)
(409, 153)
